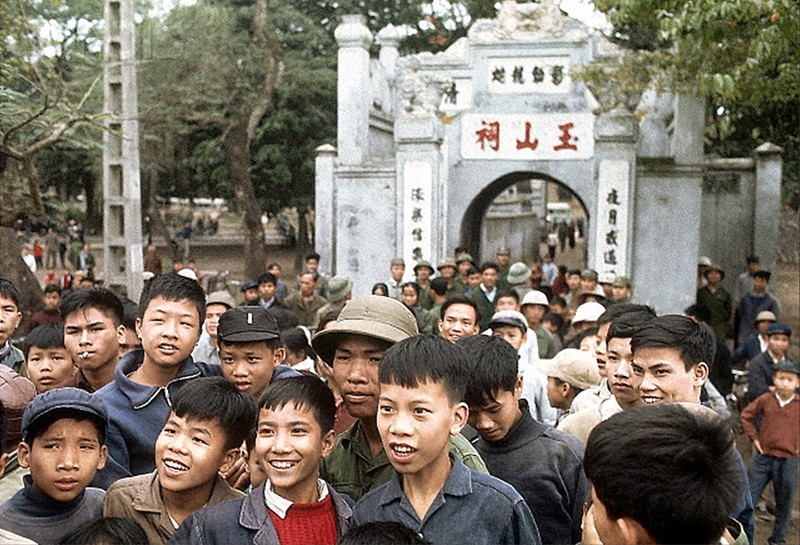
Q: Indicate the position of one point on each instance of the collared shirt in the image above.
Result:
(490, 295)
(205, 350)
(472, 508)
(11, 356)
(280, 505)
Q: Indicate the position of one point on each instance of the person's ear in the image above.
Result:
(633, 533)
(700, 372)
(24, 454)
(138, 327)
(518, 388)
(460, 417)
(121, 334)
(231, 457)
(3, 462)
(440, 325)
(278, 356)
(328, 442)
(101, 462)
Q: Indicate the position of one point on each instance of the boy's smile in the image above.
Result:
(64, 459)
(289, 446)
(415, 426)
(169, 331)
(661, 376)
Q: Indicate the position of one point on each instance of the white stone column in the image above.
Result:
(389, 39)
(769, 171)
(325, 207)
(353, 100)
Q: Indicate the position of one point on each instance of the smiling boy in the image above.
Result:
(171, 311)
(294, 432)
(209, 421)
(63, 434)
(423, 382)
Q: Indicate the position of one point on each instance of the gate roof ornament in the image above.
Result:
(528, 22)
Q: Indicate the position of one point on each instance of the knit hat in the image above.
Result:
(518, 273)
(381, 318)
(338, 288)
(575, 367)
(249, 285)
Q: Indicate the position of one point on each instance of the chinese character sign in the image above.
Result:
(528, 75)
(457, 96)
(527, 137)
(417, 214)
(611, 244)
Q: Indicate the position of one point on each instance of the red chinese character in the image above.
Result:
(489, 133)
(522, 144)
(566, 138)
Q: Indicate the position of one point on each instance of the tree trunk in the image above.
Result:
(17, 271)
(29, 164)
(236, 144)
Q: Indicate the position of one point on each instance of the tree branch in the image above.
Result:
(24, 122)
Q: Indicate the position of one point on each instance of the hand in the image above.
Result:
(757, 444)
(238, 475)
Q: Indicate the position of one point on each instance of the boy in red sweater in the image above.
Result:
(778, 444)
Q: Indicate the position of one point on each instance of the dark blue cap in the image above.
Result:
(788, 366)
(63, 398)
(779, 328)
(249, 285)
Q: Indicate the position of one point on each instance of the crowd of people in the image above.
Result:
(478, 404)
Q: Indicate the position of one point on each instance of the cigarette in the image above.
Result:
(84, 355)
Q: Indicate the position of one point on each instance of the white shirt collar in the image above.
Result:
(280, 505)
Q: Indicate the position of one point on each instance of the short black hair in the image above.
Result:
(109, 530)
(380, 286)
(439, 286)
(615, 311)
(102, 299)
(558, 300)
(174, 287)
(555, 319)
(573, 272)
(40, 425)
(286, 318)
(130, 313)
(9, 291)
(304, 392)
(489, 265)
(267, 278)
(473, 270)
(380, 533)
(425, 358)
(295, 340)
(507, 293)
(698, 312)
(460, 299)
(312, 255)
(413, 285)
(672, 470)
(625, 326)
(52, 288)
(45, 336)
(493, 367)
(332, 316)
(218, 400)
(694, 342)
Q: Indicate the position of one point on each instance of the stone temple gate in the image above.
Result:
(426, 141)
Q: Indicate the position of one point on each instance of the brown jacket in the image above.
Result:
(139, 498)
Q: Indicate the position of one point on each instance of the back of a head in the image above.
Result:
(492, 367)
(303, 392)
(620, 309)
(426, 359)
(101, 299)
(439, 286)
(672, 470)
(174, 287)
(107, 531)
(381, 533)
(694, 342)
(217, 400)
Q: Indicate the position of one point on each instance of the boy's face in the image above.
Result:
(786, 383)
(416, 424)
(620, 373)
(495, 418)
(759, 284)
(397, 272)
(49, 368)
(464, 267)
(506, 303)
(513, 335)
(474, 280)
(661, 376)
(267, 290)
(447, 272)
(190, 452)
(92, 339)
(213, 313)
(64, 459)
(778, 344)
(289, 446)
(249, 365)
(423, 273)
(355, 370)
(10, 318)
(557, 394)
(312, 264)
(589, 344)
(169, 331)
(250, 296)
(619, 293)
(489, 278)
(459, 321)
(410, 297)
(275, 270)
(51, 300)
(573, 281)
(534, 314)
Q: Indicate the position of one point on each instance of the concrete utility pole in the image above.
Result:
(122, 203)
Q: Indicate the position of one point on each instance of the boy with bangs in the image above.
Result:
(171, 312)
(209, 421)
(49, 364)
(423, 383)
(543, 464)
(293, 505)
(63, 434)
